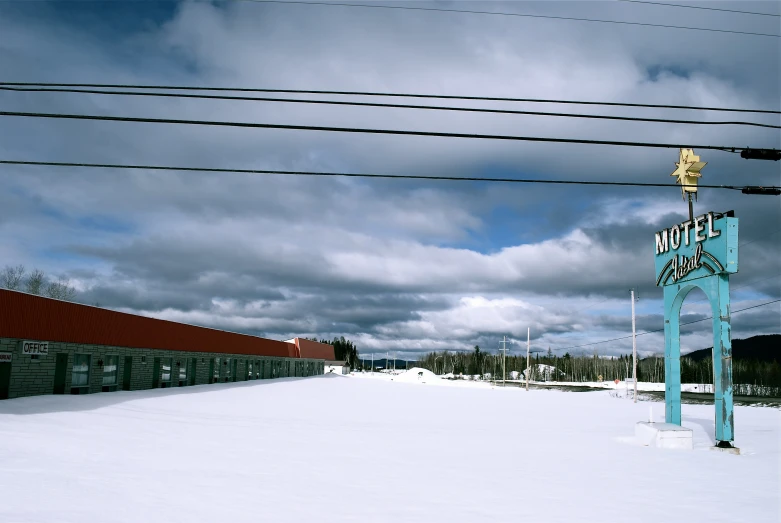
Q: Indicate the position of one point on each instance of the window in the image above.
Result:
(165, 363)
(216, 369)
(110, 365)
(227, 369)
(249, 369)
(81, 363)
(183, 370)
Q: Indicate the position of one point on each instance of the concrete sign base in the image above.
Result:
(663, 435)
(727, 450)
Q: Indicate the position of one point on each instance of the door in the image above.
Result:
(60, 370)
(211, 371)
(156, 374)
(193, 370)
(127, 372)
(5, 380)
(235, 366)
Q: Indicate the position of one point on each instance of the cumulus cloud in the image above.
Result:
(407, 266)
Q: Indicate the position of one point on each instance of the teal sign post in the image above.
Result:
(701, 252)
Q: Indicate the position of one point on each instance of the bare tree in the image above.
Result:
(60, 290)
(11, 277)
(35, 282)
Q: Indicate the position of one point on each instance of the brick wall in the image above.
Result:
(31, 377)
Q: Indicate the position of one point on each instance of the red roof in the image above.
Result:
(314, 350)
(31, 317)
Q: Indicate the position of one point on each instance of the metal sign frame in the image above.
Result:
(700, 253)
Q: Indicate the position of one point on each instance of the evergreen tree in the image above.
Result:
(475, 365)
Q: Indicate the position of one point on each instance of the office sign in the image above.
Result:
(5, 357)
(31, 348)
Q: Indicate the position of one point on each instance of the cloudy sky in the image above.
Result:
(394, 265)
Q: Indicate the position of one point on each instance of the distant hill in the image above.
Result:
(762, 348)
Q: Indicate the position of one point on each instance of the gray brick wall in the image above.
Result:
(32, 377)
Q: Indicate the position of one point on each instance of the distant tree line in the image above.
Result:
(17, 279)
(750, 377)
(344, 350)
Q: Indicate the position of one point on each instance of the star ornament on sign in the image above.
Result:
(688, 170)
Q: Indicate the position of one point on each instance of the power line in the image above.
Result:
(383, 105)
(758, 239)
(350, 175)
(520, 15)
(388, 95)
(662, 329)
(700, 7)
(732, 288)
(356, 130)
(595, 304)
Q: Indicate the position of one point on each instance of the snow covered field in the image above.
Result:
(349, 449)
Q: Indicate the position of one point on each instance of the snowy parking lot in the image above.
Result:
(342, 448)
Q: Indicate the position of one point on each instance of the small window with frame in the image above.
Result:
(110, 367)
(165, 367)
(80, 373)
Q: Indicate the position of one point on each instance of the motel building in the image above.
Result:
(50, 346)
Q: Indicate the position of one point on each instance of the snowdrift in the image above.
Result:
(417, 375)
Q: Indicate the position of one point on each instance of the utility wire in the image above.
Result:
(351, 175)
(700, 7)
(370, 131)
(366, 175)
(758, 239)
(698, 300)
(732, 288)
(388, 95)
(662, 329)
(520, 15)
(383, 105)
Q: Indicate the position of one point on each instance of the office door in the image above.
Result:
(156, 374)
(5, 380)
(127, 372)
(193, 370)
(60, 371)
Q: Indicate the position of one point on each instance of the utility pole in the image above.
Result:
(528, 344)
(504, 361)
(634, 337)
(372, 363)
(691, 208)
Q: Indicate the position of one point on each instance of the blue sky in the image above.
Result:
(403, 266)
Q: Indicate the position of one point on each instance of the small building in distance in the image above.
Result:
(336, 367)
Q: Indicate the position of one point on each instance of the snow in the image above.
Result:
(622, 385)
(365, 448)
(642, 386)
(417, 375)
(543, 370)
